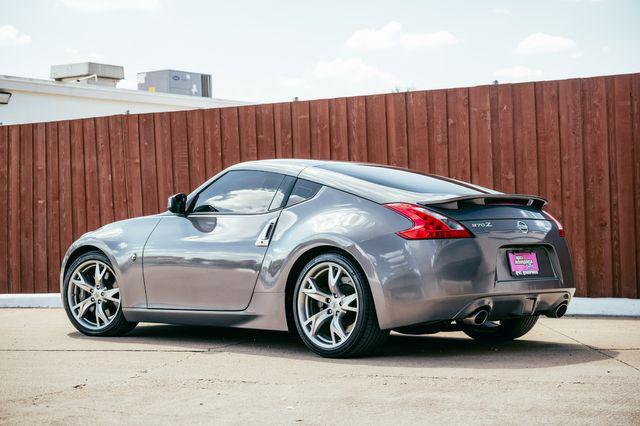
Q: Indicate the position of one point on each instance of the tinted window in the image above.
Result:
(303, 190)
(401, 179)
(239, 191)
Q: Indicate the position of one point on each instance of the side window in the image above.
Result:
(303, 190)
(239, 191)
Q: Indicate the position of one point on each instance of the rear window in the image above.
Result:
(401, 179)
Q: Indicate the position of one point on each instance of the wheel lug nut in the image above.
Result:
(93, 300)
(329, 311)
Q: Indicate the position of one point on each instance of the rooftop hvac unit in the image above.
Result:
(176, 82)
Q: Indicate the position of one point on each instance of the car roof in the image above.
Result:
(343, 175)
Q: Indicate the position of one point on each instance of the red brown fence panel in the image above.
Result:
(575, 142)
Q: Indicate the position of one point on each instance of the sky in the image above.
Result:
(269, 51)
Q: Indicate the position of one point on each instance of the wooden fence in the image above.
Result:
(575, 142)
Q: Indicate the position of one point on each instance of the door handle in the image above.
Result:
(265, 234)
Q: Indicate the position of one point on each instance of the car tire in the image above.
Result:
(506, 330)
(115, 323)
(364, 334)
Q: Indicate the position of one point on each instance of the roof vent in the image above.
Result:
(88, 73)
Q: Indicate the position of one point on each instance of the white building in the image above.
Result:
(27, 100)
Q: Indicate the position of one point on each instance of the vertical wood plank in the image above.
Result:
(149, 180)
(503, 140)
(132, 165)
(54, 258)
(230, 136)
(247, 130)
(319, 122)
(180, 152)
(26, 208)
(622, 152)
(396, 114)
(338, 129)
(265, 132)
(635, 120)
(118, 170)
(4, 212)
(195, 142)
(524, 132)
(357, 128)
(438, 137)
(15, 278)
(548, 134)
(458, 133)
(164, 166)
(573, 206)
(105, 176)
(41, 284)
(66, 186)
(212, 142)
(480, 141)
(597, 200)
(79, 206)
(418, 132)
(301, 129)
(376, 129)
(92, 191)
(283, 130)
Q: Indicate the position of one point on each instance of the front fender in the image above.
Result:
(120, 241)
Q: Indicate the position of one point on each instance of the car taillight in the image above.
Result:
(558, 224)
(428, 224)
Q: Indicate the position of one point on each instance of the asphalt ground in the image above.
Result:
(569, 371)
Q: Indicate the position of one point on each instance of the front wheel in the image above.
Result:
(333, 309)
(91, 297)
(501, 331)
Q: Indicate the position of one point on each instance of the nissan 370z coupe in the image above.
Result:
(340, 253)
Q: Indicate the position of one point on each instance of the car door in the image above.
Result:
(209, 259)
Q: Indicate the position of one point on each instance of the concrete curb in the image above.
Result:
(41, 300)
(580, 306)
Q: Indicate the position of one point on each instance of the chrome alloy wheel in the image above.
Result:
(327, 305)
(93, 295)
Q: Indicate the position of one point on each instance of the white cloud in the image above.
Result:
(11, 36)
(517, 73)
(501, 11)
(576, 55)
(606, 49)
(391, 35)
(544, 43)
(370, 39)
(353, 70)
(95, 6)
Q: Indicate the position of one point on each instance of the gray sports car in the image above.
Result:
(340, 253)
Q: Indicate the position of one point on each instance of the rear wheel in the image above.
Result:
(501, 331)
(333, 309)
(92, 297)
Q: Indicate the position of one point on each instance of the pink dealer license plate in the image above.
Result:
(523, 263)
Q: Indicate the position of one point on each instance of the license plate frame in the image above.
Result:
(523, 263)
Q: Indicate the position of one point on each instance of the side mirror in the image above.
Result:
(177, 203)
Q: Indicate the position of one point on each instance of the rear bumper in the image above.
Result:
(430, 280)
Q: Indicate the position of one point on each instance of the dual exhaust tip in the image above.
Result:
(559, 311)
(477, 318)
(480, 316)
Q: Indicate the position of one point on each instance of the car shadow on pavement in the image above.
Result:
(442, 350)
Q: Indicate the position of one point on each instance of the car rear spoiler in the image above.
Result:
(456, 203)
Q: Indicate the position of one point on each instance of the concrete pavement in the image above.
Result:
(570, 371)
